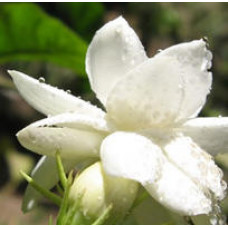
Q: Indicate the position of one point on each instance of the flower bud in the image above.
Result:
(96, 190)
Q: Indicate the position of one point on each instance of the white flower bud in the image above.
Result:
(98, 190)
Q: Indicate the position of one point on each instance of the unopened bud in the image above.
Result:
(97, 191)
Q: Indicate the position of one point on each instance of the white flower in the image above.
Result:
(149, 133)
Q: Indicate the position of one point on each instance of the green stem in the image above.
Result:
(63, 209)
(61, 172)
(104, 216)
(54, 198)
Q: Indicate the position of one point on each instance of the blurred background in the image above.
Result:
(50, 40)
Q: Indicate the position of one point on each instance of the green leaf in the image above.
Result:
(28, 33)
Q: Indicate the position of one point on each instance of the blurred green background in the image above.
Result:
(50, 40)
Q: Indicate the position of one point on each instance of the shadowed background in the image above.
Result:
(50, 40)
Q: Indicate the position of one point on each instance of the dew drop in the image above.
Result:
(213, 220)
(68, 91)
(132, 62)
(217, 217)
(41, 80)
(159, 50)
(224, 185)
(30, 204)
(219, 116)
(209, 64)
(205, 39)
(118, 30)
(180, 86)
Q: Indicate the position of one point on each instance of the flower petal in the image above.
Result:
(176, 191)
(123, 154)
(114, 50)
(197, 164)
(70, 143)
(159, 91)
(195, 61)
(211, 134)
(75, 121)
(49, 100)
(133, 156)
(148, 96)
(46, 175)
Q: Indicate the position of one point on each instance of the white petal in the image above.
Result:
(195, 61)
(211, 134)
(114, 50)
(160, 90)
(133, 156)
(176, 191)
(46, 175)
(197, 164)
(49, 100)
(148, 96)
(75, 121)
(71, 143)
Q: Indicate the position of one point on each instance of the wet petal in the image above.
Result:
(176, 191)
(49, 100)
(114, 50)
(75, 121)
(160, 91)
(71, 143)
(211, 134)
(148, 96)
(136, 157)
(195, 61)
(46, 175)
(197, 164)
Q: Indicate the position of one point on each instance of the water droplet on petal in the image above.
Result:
(209, 64)
(159, 50)
(118, 30)
(68, 91)
(213, 220)
(224, 185)
(180, 86)
(42, 80)
(217, 217)
(205, 39)
(219, 116)
(132, 62)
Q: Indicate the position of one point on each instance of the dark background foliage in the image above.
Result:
(50, 40)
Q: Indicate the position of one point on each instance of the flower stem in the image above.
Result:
(63, 208)
(53, 197)
(104, 216)
(61, 172)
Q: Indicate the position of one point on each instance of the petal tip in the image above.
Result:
(12, 73)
